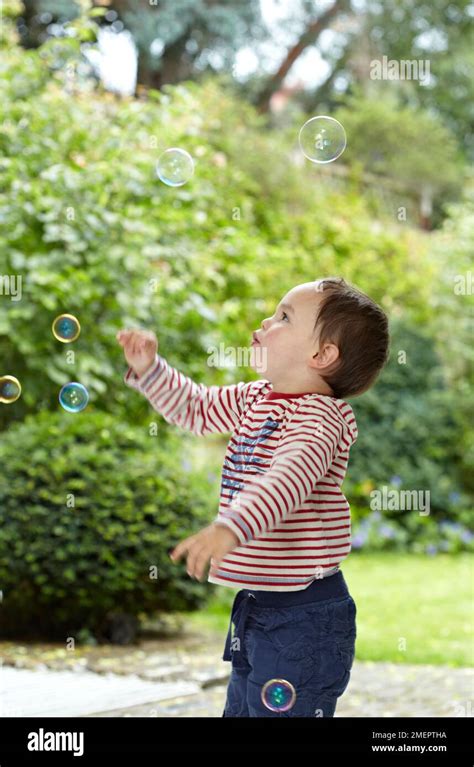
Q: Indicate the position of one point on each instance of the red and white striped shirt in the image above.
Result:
(282, 474)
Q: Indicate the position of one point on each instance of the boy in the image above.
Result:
(283, 526)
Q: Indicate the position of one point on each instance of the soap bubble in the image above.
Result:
(10, 389)
(278, 695)
(322, 139)
(66, 328)
(175, 167)
(73, 397)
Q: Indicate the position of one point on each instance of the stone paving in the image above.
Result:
(375, 689)
(195, 661)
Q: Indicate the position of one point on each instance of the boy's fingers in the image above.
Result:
(195, 558)
(200, 563)
(179, 550)
(123, 336)
(136, 338)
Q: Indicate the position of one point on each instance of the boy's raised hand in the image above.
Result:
(140, 348)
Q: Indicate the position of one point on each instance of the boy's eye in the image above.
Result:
(284, 314)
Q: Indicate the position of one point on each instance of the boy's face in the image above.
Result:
(285, 354)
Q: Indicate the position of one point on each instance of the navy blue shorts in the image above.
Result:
(306, 638)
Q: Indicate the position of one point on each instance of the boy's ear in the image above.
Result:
(325, 356)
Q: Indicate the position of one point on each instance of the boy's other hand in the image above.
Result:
(139, 347)
(211, 543)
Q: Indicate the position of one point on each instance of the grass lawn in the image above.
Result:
(410, 608)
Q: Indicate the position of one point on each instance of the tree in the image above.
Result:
(397, 144)
(176, 39)
(180, 39)
(310, 36)
(440, 32)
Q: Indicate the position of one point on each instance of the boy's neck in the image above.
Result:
(298, 390)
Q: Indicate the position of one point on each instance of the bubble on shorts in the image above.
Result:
(73, 397)
(175, 167)
(66, 328)
(322, 139)
(10, 389)
(278, 695)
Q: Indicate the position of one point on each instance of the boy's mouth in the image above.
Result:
(254, 340)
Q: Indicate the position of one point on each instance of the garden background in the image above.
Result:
(93, 232)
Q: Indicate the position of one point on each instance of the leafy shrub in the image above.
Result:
(419, 535)
(412, 428)
(65, 568)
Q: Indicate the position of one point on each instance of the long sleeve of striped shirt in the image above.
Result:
(194, 407)
(281, 480)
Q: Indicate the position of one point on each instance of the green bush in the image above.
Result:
(411, 431)
(414, 420)
(414, 533)
(66, 568)
(388, 139)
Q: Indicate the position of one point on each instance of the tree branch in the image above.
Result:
(309, 37)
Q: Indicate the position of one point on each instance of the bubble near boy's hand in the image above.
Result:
(139, 347)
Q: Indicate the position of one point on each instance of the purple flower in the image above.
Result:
(358, 541)
(431, 549)
(453, 526)
(386, 531)
(397, 481)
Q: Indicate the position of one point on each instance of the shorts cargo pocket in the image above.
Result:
(346, 653)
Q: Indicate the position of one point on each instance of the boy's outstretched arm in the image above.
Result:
(195, 407)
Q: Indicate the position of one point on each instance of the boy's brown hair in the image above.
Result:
(359, 328)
